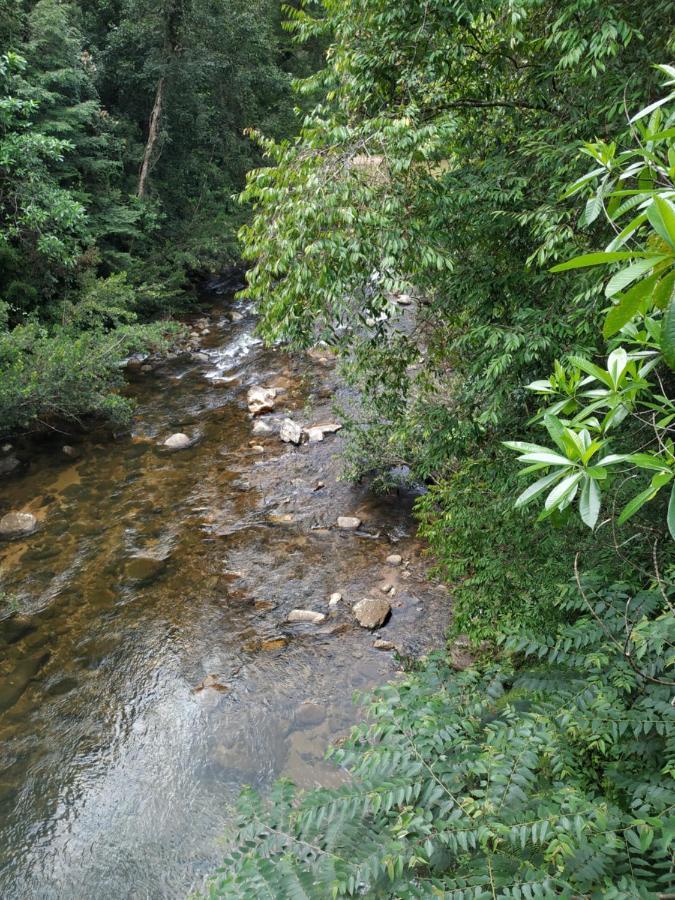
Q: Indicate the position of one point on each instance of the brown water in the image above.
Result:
(150, 572)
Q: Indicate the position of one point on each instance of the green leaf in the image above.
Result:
(637, 503)
(661, 215)
(671, 513)
(650, 109)
(627, 276)
(629, 305)
(668, 335)
(595, 259)
(537, 488)
(589, 502)
(664, 290)
(563, 491)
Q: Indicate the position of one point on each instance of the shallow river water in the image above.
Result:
(146, 667)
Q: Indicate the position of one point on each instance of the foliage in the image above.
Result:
(626, 405)
(553, 778)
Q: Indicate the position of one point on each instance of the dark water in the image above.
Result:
(153, 571)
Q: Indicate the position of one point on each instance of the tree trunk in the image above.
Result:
(153, 133)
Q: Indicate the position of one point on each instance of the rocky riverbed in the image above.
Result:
(186, 609)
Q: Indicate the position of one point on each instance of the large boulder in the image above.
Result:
(290, 432)
(17, 524)
(178, 441)
(260, 400)
(372, 612)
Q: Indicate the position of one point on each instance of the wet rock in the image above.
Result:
(260, 427)
(372, 612)
(17, 524)
(16, 681)
(178, 441)
(211, 681)
(381, 644)
(349, 522)
(308, 715)
(335, 599)
(260, 400)
(70, 452)
(144, 569)
(235, 316)
(306, 615)
(200, 356)
(321, 354)
(278, 642)
(6, 448)
(257, 448)
(290, 432)
(386, 587)
(9, 464)
(394, 559)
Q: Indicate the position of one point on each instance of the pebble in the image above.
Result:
(178, 441)
(15, 524)
(394, 559)
(335, 599)
(380, 644)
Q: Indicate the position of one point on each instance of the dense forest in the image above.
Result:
(122, 149)
(472, 202)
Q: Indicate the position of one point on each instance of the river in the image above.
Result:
(147, 670)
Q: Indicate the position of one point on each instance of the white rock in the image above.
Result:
(386, 587)
(290, 432)
(14, 524)
(372, 612)
(324, 427)
(335, 599)
(314, 434)
(260, 427)
(306, 615)
(260, 400)
(394, 559)
(404, 299)
(348, 522)
(178, 441)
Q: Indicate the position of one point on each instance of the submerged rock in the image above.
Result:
(372, 612)
(349, 522)
(260, 427)
(17, 524)
(144, 569)
(211, 681)
(306, 615)
(290, 432)
(260, 400)
(309, 714)
(278, 642)
(8, 465)
(178, 441)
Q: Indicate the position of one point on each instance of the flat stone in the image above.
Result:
(306, 615)
(394, 559)
(335, 599)
(372, 612)
(290, 432)
(274, 643)
(260, 400)
(380, 644)
(308, 715)
(314, 435)
(348, 522)
(178, 441)
(144, 568)
(326, 427)
(17, 524)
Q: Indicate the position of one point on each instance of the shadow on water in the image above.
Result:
(150, 671)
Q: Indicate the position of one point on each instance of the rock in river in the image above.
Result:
(260, 427)
(144, 569)
(290, 432)
(309, 714)
(306, 615)
(394, 559)
(348, 522)
(372, 612)
(17, 524)
(178, 441)
(260, 400)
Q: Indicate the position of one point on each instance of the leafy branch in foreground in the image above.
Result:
(628, 403)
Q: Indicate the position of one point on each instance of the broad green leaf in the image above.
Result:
(626, 232)
(647, 461)
(671, 513)
(589, 502)
(524, 447)
(591, 369)
(537, 488)
(661, 215)
(556, 430)
(650, 109)
(668, 335)
(629, 305)
(595, 259)
(664, 290)
(637, 503)
(622, 279)
(616, 364)
(563, 491)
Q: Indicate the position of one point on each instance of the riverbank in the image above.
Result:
(153, 669)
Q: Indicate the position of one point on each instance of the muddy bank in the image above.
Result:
(148, 666)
